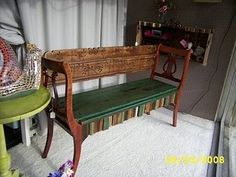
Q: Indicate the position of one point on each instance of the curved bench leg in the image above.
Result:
(49, 136)
(77, 137)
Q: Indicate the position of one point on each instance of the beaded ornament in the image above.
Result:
(12, 78)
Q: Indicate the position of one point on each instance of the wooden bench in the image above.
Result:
(84, 113)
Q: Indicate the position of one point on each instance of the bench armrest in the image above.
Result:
(63, 68)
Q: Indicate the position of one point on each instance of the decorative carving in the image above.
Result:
(99, 62)
(169, 66)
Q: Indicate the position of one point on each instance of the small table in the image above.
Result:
(17, 109)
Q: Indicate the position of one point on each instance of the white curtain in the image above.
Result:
(58, 24)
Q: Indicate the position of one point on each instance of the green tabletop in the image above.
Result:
(14, 109)
(22, 107)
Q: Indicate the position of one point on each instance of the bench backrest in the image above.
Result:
(92, 63)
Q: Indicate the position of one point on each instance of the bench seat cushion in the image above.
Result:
(91, 105)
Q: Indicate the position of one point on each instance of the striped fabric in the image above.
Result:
(106, 122)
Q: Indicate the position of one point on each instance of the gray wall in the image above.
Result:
(204, 84)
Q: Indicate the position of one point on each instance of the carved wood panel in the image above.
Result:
(100, 62)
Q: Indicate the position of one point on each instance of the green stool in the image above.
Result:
(17, 109)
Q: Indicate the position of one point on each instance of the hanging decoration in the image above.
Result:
(164, 6)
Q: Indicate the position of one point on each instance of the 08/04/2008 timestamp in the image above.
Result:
(193, 159)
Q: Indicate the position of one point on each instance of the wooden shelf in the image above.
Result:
(155, 33)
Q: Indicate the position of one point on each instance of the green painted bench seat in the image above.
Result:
(92, 105)
(81, 114)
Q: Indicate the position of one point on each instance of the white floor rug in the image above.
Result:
(139, 147)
